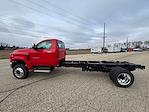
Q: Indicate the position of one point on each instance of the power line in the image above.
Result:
(57, 29)
(39, 11)
(58, 13)
(55, 6)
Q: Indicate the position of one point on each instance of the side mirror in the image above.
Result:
(34, 46)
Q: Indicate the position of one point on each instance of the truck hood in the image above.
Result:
(22, 51)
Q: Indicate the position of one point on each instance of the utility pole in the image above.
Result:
(104, 36)
(127, 43)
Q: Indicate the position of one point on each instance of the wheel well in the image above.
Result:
(18, 62)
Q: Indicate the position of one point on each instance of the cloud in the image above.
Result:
(24, 23)
(78, 23)
(3, 29)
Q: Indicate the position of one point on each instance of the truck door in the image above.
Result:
(43, 55)
(61, 50)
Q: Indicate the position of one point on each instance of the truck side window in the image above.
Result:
(61, 44)
(44, 45)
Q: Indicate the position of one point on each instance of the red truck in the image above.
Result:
(51, 53)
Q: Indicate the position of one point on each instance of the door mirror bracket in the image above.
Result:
(34, 46)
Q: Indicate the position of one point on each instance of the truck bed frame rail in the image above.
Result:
(103, 66)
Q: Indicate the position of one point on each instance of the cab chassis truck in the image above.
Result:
(51, 53)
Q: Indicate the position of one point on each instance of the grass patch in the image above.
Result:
(4, 58)
(4, 54)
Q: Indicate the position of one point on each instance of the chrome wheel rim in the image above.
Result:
(19, 72)
(124, 79)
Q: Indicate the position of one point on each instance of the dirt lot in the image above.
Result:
(4, 54)
(71, 90)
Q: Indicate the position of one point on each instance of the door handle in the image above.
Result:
(49, 52)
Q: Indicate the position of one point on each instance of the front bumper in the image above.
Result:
(11, 63)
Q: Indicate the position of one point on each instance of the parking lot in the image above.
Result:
(72, 90)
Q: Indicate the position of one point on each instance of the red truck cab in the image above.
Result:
(47, 54)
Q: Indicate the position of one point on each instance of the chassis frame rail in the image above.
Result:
(103, 66)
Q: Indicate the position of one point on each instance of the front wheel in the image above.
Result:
(121, 77)
(20, 71)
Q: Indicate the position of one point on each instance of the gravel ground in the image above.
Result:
(70, 89)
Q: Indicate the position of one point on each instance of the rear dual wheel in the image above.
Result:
(121, 77)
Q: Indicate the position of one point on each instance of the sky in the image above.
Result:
(79, 23)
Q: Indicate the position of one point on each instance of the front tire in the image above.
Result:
(121, 77)
(20, 71)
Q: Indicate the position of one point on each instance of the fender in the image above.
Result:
(21, 57)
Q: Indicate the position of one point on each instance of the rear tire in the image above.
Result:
(20, 71)
(121, 77)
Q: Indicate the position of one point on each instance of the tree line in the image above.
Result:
(6, 46)
(134, 44)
